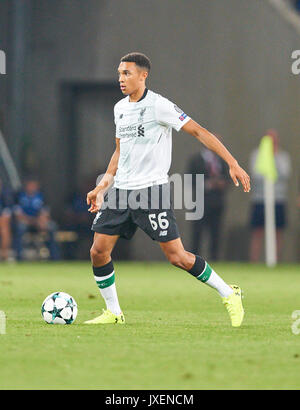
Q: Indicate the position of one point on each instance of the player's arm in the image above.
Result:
(211, 142)
(95, 197)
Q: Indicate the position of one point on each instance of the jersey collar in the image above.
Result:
(144, 95)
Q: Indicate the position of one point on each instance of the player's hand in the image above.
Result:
(238, 174)
(95, 199)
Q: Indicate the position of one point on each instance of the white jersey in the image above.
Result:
(145, 132)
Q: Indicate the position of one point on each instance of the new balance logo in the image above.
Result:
(141, 131)
(163, 233)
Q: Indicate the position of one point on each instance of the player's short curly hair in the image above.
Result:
(139, 59)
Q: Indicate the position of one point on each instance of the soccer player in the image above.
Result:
(140, 164)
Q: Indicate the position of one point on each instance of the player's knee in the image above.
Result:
(99, 255)
(177, 259)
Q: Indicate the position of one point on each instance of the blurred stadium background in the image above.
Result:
(226, 63)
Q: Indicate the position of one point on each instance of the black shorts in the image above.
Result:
(150, 209)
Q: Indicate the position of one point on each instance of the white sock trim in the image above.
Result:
(216, 282)
(101, 278)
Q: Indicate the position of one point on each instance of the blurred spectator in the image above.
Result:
(33, 216)
(296, 4)
(216, 182)
(77, 219)
(283, 166)
(6, 205)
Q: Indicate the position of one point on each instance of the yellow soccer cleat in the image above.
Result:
(107, 317)
(234, 306)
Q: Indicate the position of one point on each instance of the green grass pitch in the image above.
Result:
(177, 333)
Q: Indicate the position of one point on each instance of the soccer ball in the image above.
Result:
(59, 308)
